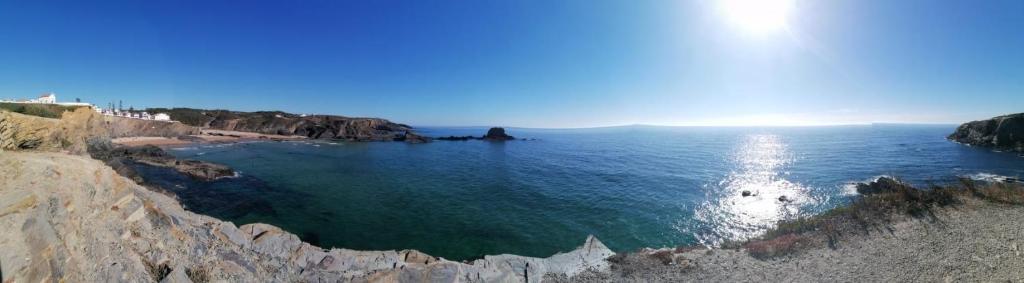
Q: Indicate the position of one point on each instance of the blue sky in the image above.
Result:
(570, 63)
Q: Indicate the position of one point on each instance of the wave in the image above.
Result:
(991, 178)
(850, 188)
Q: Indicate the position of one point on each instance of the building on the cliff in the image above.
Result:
(162, 117)
(49, 98)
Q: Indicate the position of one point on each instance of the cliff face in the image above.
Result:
(70, 133)
(1003, 132)
(126, 127)
(73, 219)
(281, 123)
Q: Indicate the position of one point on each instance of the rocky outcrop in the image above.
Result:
(882, 185)
(73, 219)
(1003, 133)
(70, 133)
(411, 137)
(497, 134)
(281, 123)
(151, 155)
(127, 127)
(493, 134)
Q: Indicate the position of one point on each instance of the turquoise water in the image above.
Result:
(632, 187)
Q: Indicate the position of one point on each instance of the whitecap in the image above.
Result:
(991, 178)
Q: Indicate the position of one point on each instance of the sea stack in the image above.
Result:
(1003, 133)
(497, 134)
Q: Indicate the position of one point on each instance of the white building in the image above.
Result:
(162, 117)
(45, 98)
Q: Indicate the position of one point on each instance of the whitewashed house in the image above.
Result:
(162, 117)
(49, 98)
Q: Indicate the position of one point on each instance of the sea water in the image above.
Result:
(631, 187)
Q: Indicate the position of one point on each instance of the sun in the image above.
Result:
(757, 16)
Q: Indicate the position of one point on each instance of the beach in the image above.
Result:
(205, 136)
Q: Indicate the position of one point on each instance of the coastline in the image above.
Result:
(204, 137)
(978, 237)
(143, 235)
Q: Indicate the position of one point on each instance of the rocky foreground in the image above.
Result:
(1003, 133)
(73, 219)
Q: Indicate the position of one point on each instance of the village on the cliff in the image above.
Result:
(51, 98)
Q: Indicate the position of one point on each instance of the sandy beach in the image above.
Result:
(206, 136)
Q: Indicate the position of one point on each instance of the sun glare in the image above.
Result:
(757, 16)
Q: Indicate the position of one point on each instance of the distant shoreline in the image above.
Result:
(205, 137)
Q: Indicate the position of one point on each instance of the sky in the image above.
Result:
(547, 64)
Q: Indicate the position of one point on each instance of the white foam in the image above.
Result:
(989, 177)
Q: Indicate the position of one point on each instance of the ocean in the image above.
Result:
(632, 187)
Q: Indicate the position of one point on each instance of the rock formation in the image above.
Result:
(155, 156)
(1003, 133)
(497, 134)
(70, 133)
(411, 137)
(127, 127)
(882, 185)
(281, 123)
(73, 219)
(493, 134)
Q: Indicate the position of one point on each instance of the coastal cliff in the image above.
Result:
(1003, 133)
(127, 127)
(282, 123)
(70, 133)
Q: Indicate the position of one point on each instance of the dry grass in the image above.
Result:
(874, 212)
(156, 271)
(198, 274)
(778, 246)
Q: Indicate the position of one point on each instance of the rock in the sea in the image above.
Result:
(746, 193)
(1003, 133)
(411, 137)
(457, 138)
(882, 185)
(497, 134)
(154, 156)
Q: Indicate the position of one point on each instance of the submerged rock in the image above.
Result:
(1003, 133)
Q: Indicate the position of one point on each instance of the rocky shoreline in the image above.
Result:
(1001, 133)
(99, 226)
(94, 222)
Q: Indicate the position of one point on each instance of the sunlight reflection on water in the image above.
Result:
(728, 215)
